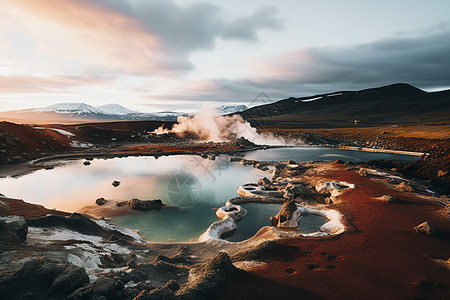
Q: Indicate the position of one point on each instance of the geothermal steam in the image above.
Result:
(209, 126)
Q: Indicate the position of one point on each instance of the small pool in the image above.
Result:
(193, 188)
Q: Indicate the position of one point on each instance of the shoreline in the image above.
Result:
(39, 163)
(364, 217)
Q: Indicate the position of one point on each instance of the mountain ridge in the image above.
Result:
(392, 104)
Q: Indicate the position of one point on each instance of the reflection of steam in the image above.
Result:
(209, 126)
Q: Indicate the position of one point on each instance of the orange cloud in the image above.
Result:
(79, 30)
(49, 84)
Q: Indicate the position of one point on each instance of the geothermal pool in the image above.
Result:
(192, 187)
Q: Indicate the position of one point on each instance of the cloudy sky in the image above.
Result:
(154, 55)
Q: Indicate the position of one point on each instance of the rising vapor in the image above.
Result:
(208, 125)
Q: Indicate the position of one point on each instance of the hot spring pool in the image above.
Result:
(193, 187)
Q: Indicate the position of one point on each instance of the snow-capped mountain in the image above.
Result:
(82, 111)
(116, 109)
(230, 109)
(104, 112)
(75, 108)
(71, 108)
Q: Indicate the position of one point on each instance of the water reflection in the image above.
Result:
(194, 184)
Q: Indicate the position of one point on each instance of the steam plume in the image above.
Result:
(209, 126)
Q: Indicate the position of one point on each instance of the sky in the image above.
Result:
(160, 55)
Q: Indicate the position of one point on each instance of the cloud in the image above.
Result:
(44, 85)
(246, 28)
(422, 60)
(152, 38)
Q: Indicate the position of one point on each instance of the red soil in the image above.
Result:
(380, 257)
(21, 208)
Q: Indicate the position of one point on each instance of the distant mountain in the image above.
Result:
(70, 108)
(230, 109)
(393, 104)
(79, 112)
(116, 109)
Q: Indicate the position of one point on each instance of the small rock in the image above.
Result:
(425, 228)
(115, 183)
(404, 187)
(145, 204)
(442, 173)
(101, 201)
(291, 162)
(328, 200)
(121, 203)
(288, 216)
(388, 198)
(232, 159)
(86, 163)
(363, 172)
(264, 181)
(19, 227)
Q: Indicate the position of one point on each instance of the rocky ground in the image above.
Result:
(386, 250)
(432, 140)
(47, 254)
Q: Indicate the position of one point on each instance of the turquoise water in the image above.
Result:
(304, 154)
(191, 186)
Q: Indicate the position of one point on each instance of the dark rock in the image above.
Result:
(172, 285)
(121, 203)
(425, 228)
(291, 162)
(264, 181)
(299, 189)
(8, 237)
(19, 226)
(80, 223)
(145, 204)
(100, 201)
(209, 276)
(243, 143)
(76, 222)
(86, 163)
(69, 280)
(132, 275)
(119, 285)
(115, 183)
(39, 279)
(338, 161)
(288, 216)
(103, 286)
(233, 159)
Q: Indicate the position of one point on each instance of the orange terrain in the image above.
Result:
(378, 257)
